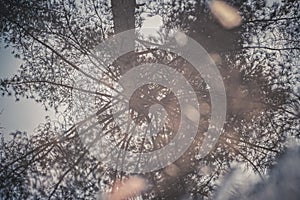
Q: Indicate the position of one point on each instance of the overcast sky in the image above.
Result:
(26, 114)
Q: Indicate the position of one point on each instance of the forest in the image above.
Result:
(150, 113)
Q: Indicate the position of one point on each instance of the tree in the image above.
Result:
(56, 39)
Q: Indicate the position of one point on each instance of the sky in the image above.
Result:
(26, 114)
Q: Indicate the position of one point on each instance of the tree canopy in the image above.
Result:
(258, 59)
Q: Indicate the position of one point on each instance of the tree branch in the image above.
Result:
(271, 20)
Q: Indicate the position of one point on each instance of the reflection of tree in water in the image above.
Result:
(56, 39)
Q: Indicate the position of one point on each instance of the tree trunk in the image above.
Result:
(123, 15)
(124, 19)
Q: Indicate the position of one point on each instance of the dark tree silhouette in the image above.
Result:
(56, 39)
